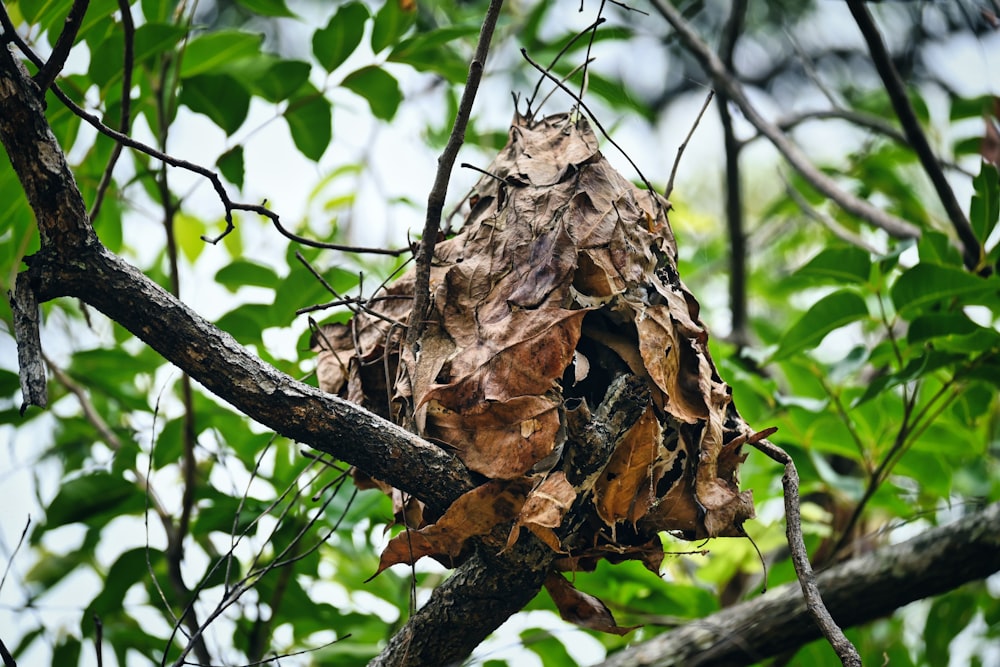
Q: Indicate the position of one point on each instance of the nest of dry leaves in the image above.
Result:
(564, 363)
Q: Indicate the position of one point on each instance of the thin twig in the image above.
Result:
(597, 123)
(726, 83)
(99, 640)
(734, 187)
(8, 659)
(846, 651)
(17, 548)
(835, 227)
(125, 120)
(531, 100)
(435, 200)
(680, 149)
(57, 60)
(972, 251)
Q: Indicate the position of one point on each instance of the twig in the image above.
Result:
(972, 251)
(125, 121)
(725, 82)
(683, 146)
(8, 659)
(99, 640)
(435, 200)
(593, 118)
(10, 562)
(835, 227)
(57, 60)
(562, 52)
(846, 651)
(734, 188)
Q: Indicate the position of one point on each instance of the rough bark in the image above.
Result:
(463, 611)
(855, 592)
(72, 262)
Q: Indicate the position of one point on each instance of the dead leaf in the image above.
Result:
(582, 609)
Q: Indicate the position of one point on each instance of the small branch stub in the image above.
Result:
(24, 303)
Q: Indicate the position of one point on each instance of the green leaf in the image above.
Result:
(552, 651)
(933, 325)
(844, 264)
(130, 568)
(188, 231)
(391, 23)
(215, 51)
(230, 164)
(267, 7)
(378, 87)
(9, 383)
(310, 120)
(831, 312)
(430, 52)
(218, 96)
(281, 80)
(985, 207)
(244, 272)
(926, 285)
(333, 44)
(270, 77)
(93, 499)
(157, 10)
(936, 248)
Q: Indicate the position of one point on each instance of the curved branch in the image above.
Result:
(435, 200)
(972, 251)
(727, 85)
(72, 262)
(856, 592)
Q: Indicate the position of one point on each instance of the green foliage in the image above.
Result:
(880, 366)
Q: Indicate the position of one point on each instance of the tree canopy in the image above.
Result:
(252, 247)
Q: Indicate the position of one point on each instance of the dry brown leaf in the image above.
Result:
(475, 513)
(582, 609)
(544, 510)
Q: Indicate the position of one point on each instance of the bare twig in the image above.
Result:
(125, 119)
(99, 640)
(726, 83)
(835, 227)
(680, 149)
(800, 558)
(10, 563)
(435, 200)
(593, 118)
(60, 52)
(8, 659)
(531, 100)
(734, 188)
(972, 251)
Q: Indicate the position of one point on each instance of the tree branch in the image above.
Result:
(727, 85)
(435, 201)
(72, 262)
(57, 60)
(856, 592)
(972, 251)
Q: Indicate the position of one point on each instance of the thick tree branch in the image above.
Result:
(856, 592)
(726, 84)
(73, 263)
(972, 252)
(484, 592)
